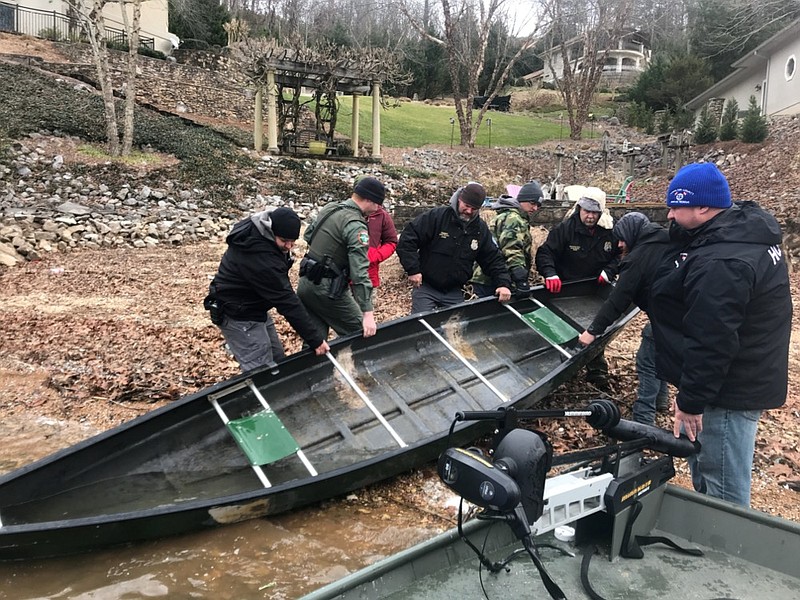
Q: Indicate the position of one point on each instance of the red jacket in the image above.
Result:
(382, 241)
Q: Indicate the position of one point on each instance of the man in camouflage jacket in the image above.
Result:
(511, 230)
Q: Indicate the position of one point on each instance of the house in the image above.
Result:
(624, 62)
(57, 20)
(769, 73)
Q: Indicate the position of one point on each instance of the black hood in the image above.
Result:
(246, 237)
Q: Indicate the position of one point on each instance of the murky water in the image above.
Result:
(277, 558)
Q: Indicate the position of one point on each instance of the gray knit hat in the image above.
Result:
(531, 192)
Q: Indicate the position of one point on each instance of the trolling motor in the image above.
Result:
(510, 486)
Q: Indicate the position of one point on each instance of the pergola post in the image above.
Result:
(355, 124)
(258, 127)
(376, 119)
(272, 113)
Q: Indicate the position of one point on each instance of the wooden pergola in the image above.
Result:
(280, 75)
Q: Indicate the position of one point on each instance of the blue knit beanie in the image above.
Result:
(699, 184)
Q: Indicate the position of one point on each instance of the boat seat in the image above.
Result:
(553, 329)
(550, 326)
(261, 436)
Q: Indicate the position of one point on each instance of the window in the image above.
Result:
(791, 66)
(6, 18)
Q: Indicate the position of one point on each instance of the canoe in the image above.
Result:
(303, 430)
(620, 533)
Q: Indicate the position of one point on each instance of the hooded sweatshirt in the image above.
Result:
(721, 311)
(444, 248)
(253, 277)
(647, 247)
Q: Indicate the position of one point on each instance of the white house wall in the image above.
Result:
(783, 97)
(154, 20)
(743, 89)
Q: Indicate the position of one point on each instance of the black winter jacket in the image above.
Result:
(445, 249)
(573, 252)
(721, 311)
(253, 276)
(636, 272)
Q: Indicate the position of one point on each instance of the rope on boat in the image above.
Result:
(466, 363)
(366, 400)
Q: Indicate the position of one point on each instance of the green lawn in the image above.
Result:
(414, 124)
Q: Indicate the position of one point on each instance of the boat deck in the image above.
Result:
(736, 545)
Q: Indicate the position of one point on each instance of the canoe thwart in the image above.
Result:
(464, 361)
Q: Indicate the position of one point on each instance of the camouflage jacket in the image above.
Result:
(511, 231)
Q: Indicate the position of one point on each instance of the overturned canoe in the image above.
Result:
(309, 428)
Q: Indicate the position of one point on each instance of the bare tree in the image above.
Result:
(90, 13)
(581, 33)
(466, 27)
(94, 22)
(132, 27)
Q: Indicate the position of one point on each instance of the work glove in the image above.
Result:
(520, 278)
(553, 284)
(603, 279)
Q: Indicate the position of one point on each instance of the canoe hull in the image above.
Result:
(177, 469)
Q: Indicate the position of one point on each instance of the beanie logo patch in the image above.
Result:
(679, 196)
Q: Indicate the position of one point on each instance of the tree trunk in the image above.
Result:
(132, 29)
(97, 34)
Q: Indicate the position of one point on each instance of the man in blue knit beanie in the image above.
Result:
(721, 312)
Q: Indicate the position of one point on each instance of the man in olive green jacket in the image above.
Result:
(337, 255)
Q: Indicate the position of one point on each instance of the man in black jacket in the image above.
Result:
(721, 311)
(253, 277)
(440, 247)
(580, 248)
(643, 245)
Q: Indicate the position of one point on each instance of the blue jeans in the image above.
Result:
(723, 467)
(652, 392)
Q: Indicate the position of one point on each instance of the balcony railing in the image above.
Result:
(58, 27)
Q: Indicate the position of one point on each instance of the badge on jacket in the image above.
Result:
(474, 245)
(363, 237)
(607, 247)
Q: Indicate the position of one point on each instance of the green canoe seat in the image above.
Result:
(550, 326)
(261, 436)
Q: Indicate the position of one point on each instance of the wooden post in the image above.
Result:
(272, 113)
(376, 119)
(258, 128)
(355, 124)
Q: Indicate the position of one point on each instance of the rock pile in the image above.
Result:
(47, 207)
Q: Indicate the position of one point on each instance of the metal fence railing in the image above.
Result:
(53, 25)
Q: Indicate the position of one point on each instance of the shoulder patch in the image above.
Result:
(363, 237)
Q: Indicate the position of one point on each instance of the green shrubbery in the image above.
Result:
(754, 126)
(729, 128)
(706, 130)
